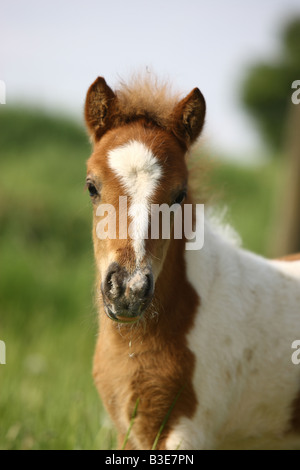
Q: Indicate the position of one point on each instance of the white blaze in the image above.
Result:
(139, 172)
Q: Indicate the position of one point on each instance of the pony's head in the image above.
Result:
(141, 136)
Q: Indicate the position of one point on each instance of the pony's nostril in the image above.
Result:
(109, 282)
(113, 285)
(148, 285)
(114, 282)
(126, 295)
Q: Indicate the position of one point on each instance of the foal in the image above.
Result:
(204, 337)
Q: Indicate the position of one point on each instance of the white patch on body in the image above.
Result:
(139, 171)
(244, 379)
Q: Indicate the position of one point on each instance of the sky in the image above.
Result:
(51, 51)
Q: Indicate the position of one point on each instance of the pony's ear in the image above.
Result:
(100, 107)
(188, 117)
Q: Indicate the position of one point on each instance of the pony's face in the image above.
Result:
(130, 170)
(136, 166)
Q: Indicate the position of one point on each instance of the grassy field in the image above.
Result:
(47, 315)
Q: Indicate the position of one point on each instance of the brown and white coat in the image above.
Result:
(210, 329)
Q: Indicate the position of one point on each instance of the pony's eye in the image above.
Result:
(92, 189)
(180, 197)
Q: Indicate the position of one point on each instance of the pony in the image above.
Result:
(195, 344)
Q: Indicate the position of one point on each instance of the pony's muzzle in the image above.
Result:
(126, 296)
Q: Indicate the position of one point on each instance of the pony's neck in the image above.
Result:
(214, 261)
(204, 265)
(175, 298)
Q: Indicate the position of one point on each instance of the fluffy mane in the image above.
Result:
(146, 96)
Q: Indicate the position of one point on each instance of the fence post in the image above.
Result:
(287, 223)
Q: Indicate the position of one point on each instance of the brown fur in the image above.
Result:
(148, 100)
(294, 257)
(146, 97)
(162, 364)
(187, 115)
(100, 108)
(148, 360)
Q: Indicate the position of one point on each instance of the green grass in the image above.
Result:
(47, 316)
